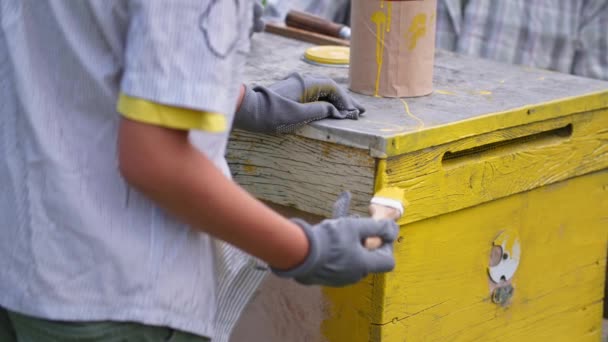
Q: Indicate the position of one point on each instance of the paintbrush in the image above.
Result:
(386, 204)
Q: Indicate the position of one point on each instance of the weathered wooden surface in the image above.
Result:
(302, 173)
(465, 89)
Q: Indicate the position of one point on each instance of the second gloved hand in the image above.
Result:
(337, 256)
(293, 102)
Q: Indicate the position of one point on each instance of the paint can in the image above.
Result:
(392, 47)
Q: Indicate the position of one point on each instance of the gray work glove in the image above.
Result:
(293, 102)
(337, 256)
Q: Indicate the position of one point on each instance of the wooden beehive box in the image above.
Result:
(497, 156)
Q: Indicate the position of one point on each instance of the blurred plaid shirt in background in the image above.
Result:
(569, 36)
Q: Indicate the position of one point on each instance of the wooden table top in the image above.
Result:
(471, 96)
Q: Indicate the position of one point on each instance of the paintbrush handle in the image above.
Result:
(380, 212)
(313, 23)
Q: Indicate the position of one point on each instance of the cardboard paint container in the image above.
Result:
(392, 47)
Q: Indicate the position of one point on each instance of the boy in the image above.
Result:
(126, 227)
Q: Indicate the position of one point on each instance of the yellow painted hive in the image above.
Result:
(505, 236)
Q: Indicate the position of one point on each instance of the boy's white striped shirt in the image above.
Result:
(77, 243)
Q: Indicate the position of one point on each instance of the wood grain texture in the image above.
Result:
(439, 290)
(302, 173)
(435, 187)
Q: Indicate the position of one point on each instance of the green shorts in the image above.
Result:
(15, 327)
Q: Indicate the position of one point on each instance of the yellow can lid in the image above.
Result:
(328, 54)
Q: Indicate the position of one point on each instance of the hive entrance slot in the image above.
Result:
(507, 146)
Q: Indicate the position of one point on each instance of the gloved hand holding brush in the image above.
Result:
(337, 255)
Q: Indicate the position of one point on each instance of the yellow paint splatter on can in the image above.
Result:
(416, 31)
(379, 18)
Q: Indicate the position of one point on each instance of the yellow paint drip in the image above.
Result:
(409, 113)
(379, 18)
(444, 92)
(416, 31)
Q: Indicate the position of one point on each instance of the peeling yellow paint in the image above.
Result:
(326, 151)
(504, 170)
(250, 169)
(379, 18)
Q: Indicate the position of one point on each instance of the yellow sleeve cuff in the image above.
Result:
(171, 117)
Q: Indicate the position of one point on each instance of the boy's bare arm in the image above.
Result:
(161, 163)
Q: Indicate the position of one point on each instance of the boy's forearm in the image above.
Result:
(239, 100)
(163, 165)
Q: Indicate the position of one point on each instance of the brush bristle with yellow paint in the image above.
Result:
(390, 197)
(386, 204)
